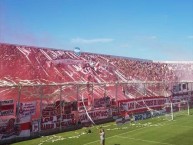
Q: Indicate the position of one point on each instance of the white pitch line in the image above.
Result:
(116, 135)
(182, 126)
(145, 140)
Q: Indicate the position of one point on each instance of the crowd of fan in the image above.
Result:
(134, 69)
(101, 67)
(184, 71)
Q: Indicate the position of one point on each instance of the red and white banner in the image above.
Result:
(6, 108)
(9, 128)
(25, 126)
(82, 105)
(102, 102)
(54, 121)
(94, 115)
(142, 104)
(27, 108)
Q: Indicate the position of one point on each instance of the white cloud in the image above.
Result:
(90, 41)
(147, 37)
(190, 37)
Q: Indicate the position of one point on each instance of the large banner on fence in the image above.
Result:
(58, 114)
(94, 115)
(83, 103)
(102, 102)
(56, 121)
(9, 128)
(142, 104)
(6, 107)
(27, 108)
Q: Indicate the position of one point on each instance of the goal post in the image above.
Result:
(176, 109)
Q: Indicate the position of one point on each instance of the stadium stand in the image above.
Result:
(56, 79)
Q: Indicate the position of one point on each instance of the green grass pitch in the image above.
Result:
(156, 131)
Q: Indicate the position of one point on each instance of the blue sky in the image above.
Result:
(148, 29)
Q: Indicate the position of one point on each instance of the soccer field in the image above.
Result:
(155, 131)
